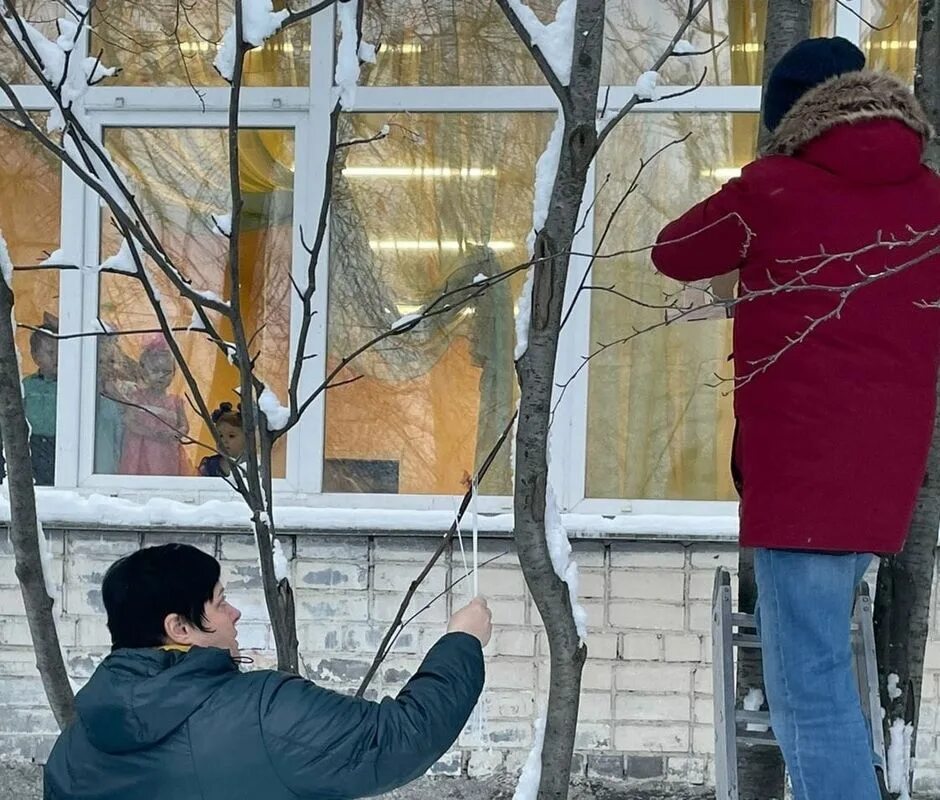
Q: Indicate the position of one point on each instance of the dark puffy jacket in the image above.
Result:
(836, 386)
(158, 725)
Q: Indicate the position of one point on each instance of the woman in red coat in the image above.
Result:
(835, 235)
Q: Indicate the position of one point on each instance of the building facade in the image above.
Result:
(452, 117)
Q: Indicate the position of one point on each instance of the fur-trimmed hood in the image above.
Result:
(845, 99)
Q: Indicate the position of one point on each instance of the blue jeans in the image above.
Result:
(804, 615)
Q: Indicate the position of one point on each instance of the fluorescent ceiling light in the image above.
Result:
(406, 49)
(722, 173)
(419, 172)
(450, 245)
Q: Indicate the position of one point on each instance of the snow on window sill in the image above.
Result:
(65, 508)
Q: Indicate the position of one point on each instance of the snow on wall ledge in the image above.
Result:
(68, 508)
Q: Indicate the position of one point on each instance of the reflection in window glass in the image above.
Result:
(171, 43)
(41, 14)
(30, 186)
(893, 46)
(442, 199)
(637, 33)
(658, 426)
(182, 178)
(434, 43)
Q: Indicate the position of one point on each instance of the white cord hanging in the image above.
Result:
(476, 537)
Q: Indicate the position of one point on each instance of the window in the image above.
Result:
(30, 192)
(433, 186)
(435, 43)
(443, 198)
(172, 43)
(181, 176)
(891, 45)
(637, 34)
(659, 416)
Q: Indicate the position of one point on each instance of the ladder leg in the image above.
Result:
(866, 665)
(726, 752)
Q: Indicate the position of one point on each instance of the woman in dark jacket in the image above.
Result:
(169, 716)
(835, 234)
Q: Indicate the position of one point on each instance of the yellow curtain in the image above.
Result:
(182, 177)
(893, 47)
(30, 199)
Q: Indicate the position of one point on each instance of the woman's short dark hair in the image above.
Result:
(142, 589)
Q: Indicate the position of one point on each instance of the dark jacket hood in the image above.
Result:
(866, 126)
(138, 697)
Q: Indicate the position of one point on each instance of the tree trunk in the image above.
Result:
(24, 527)
(902, 601)
(761, 769)
(536, 371)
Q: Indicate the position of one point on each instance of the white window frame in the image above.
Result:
(306, 110)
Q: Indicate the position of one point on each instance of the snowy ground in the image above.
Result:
(22, 782)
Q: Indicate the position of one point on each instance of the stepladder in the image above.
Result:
(736, 726)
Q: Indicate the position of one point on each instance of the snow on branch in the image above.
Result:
(566, 568)
(122, 261)
(67, 75)
(546, 171)
(348, 53)
(6, 263)
(555, 41)
(528, 786)
(276, 415)
(259, 23)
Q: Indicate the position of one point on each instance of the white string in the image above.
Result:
(476, 537)
(463, 552)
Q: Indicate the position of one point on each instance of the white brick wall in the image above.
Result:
(646, 708)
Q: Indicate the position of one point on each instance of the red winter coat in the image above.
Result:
(835, 396)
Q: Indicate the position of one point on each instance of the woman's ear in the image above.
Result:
(177, 630)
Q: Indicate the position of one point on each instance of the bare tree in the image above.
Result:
(25, 532)
(905, 581)
(575, 78)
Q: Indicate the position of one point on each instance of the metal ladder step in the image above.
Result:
(736, 726)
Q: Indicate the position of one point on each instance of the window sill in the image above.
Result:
(298, 514)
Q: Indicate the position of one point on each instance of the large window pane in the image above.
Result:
(30, 189)
(892, 45)
(659, 422)
(442, 199)
(638, 33)
(172, 43)
(41, 14)
(182, 178)
(466, 43)
(430, 42)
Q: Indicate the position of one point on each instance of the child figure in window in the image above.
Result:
(156, 420)
(117, 376)
(229, 423)
(39, 398)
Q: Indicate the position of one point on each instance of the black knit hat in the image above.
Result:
(803, 67)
